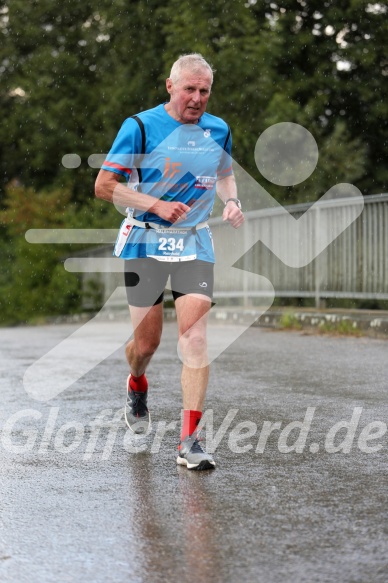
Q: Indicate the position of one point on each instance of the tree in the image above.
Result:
(33, 280)
(333, 68)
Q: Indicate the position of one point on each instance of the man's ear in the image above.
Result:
(169, 85)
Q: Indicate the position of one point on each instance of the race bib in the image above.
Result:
(170, 245)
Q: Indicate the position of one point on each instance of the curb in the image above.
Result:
(369, 323)
(373, 324)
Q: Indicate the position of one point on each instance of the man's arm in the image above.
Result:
(227, 188)
(110, 189)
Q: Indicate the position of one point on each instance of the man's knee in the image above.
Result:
(193, 342)
(146, 347)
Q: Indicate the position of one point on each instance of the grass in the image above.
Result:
(344, 327)
(289, 321)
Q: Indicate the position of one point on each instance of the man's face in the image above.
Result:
(189, 95)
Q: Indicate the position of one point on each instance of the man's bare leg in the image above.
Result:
(192, 313)
(147, 325)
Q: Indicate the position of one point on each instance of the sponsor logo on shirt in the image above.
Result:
(191, 149)
(205, 182)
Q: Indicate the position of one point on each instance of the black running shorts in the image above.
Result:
(145, 279)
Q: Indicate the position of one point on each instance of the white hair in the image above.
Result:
(193, 62)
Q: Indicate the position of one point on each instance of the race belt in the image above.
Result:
(148, 225)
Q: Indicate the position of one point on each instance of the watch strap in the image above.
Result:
(235, 200)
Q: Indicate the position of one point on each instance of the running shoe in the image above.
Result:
(192, 455)
(137, 416)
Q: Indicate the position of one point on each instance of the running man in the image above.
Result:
(174, 158)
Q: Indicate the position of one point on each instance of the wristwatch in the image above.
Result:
(236, 200)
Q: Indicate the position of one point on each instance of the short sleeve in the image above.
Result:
(225, 167)
(125, 150)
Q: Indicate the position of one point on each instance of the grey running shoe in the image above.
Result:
(137, 416)
(192, 455)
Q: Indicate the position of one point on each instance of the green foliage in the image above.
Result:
(34, 281)
(341, 159)
(72, 72)
(342, 328)
(289, 321)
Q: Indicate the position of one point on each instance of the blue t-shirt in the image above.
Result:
(182, 162)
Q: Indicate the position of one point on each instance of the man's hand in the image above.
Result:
(170, 211)
(109, 188)
(233, 214)
(226, 188)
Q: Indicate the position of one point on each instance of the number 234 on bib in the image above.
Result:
(168, 245)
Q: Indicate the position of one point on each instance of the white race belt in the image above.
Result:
(162, 243)
(157, 226)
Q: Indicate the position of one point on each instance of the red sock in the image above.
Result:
(190, 422)
(138, 384)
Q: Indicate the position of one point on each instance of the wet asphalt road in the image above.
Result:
(81, 500)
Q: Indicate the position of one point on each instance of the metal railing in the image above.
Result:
(354, 265)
